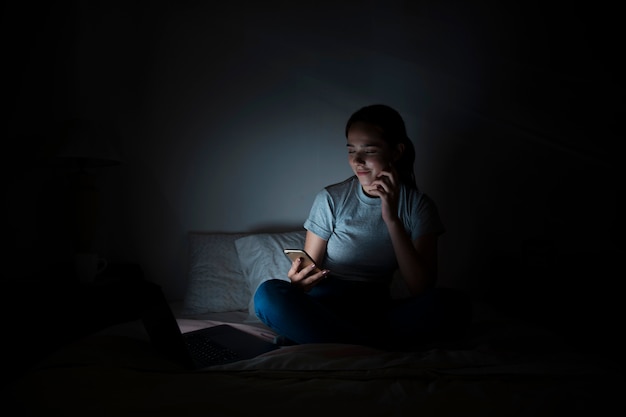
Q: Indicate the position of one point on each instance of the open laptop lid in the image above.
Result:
(162, 328)
(165, 335)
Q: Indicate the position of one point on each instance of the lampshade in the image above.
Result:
(85, 144)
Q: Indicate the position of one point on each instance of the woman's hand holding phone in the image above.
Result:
(303, 272)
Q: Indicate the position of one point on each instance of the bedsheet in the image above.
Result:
(503, 368)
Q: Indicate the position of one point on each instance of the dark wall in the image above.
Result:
(516, 109)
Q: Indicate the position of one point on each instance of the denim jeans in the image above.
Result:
(339, 311)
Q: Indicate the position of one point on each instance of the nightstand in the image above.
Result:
(43, 313)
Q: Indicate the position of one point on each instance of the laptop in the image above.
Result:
(201, 348)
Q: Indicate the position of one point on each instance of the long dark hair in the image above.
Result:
(394, 132)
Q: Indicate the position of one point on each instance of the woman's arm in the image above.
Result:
(417, 260)
(315, 246)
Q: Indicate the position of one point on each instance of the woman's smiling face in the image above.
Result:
(368, 153)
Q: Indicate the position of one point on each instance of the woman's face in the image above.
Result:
(368, 153)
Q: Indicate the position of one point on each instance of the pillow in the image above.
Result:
(216, 283)
(261, 257)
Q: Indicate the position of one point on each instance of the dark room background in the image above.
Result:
(229, 116)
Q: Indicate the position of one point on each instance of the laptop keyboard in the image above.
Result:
(206, 352)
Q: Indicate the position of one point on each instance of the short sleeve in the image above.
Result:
(321, 218)
(425, 218)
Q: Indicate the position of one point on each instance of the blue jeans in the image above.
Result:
(338, 311)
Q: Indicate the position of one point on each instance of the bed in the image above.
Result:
(502, 367)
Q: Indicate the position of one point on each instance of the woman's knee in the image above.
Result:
(265, 294)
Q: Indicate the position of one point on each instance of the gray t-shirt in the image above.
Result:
(359, 247)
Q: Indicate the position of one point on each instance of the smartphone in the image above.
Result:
(294, 254)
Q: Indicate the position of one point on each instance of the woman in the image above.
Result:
(360, 231)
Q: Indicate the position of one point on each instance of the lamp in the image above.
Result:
(84, 149)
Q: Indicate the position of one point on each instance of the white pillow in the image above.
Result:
(261, 257)
(216, 282)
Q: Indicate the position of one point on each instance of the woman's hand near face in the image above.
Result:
(387, 189)
(306, 277)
